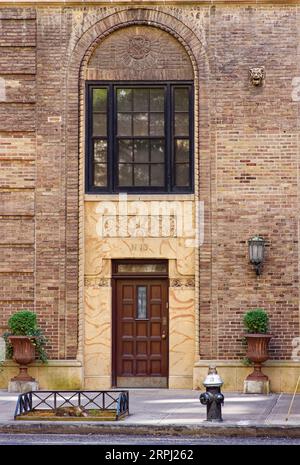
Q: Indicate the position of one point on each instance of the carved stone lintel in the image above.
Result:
(182, 283)
(257, 75)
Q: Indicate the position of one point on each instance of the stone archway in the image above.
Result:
(77, 69)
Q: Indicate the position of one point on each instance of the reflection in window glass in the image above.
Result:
(125, 151)
(157, 151)
(141, 302)
(100, 100)
(182, 174)
(157, 174)
(141, 151)
(157, 122)
(124, 99)
(99, 124)
(157, 100)
(182, 149)
(140, 124)
(124, 124)
(125, 175)
(181, 124)
(181, 99)
(100, 151)
(141, 175)
(100, 174)
(140, 99)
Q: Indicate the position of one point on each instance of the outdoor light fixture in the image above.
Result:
(257, 252)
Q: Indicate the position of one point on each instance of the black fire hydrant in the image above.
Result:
(212, 398)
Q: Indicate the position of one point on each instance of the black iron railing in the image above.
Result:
(117, 401)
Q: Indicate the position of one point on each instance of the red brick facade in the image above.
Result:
(248, 162)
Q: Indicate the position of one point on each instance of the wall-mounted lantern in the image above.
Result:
(257, 252)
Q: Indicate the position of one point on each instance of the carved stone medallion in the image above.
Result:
(138, 47)
(139, 52)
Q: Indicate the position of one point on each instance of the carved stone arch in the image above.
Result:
(139, 53)
(91, 38)
(76, 74)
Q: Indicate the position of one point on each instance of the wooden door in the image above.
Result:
(141, 332)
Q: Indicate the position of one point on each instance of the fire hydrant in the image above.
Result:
(212, 398)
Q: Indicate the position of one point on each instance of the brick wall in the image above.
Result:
(248, 167)
(256, 168)
(17, 160)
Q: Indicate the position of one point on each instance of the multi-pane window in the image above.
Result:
(139, 138)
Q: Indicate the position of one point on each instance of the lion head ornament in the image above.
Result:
(257, 75)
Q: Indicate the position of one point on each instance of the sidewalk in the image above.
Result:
(176, 410)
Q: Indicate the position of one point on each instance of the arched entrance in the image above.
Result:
(97, 254)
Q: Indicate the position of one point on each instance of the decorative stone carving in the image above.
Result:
(137, 226)
(139, 53)
(257, 75)
(138, 47)
(182, 282)
(96, 282)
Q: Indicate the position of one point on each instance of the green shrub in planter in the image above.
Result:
(256, 321)
(24, 323)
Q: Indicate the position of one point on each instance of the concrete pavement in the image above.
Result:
(177, 411)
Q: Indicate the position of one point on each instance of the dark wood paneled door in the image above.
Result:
(141, 332)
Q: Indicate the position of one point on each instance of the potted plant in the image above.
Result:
(24, 342)
(256, 323)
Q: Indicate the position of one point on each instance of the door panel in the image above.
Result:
(142, 332)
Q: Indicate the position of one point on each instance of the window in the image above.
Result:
(139, 137)
(141, 302)
(134, 267)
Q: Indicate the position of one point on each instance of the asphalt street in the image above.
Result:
(91, 439)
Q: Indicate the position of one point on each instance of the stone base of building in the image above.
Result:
(282, 374)
(256, 387)
(69, 374)
(23, 386)
(55, 375)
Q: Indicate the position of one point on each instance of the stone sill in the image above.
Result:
(237, 363)
(136, 197)
(50, 363)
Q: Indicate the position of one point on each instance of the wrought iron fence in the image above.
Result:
(50, 400)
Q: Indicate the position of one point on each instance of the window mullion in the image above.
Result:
(191, 135)
(112, 138)
(90, 166)
(168, 138)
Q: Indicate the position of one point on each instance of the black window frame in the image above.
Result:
(112, 153)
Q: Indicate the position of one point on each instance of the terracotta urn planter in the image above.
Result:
(258, 353)
(23, 354)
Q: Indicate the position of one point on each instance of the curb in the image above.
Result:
(206, 430)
